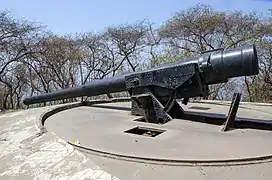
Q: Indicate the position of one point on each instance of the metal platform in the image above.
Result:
(109, 130)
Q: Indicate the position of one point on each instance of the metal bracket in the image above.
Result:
(153, 109)
(232, 112)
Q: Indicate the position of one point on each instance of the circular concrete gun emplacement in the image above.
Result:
(110, 130)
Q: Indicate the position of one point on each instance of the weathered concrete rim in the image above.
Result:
(177, 162)
(174, 162)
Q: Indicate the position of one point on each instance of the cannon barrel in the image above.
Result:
(215, 66)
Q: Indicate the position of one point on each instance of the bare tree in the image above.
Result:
(15, 45)
(129, 41)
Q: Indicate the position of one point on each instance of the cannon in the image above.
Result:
(154, 92)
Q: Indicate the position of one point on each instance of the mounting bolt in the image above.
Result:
(136, 81)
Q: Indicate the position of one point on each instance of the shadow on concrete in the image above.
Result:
(112, 107)
(211, 118)
(219, 119)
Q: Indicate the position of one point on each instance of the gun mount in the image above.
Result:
(154, 92)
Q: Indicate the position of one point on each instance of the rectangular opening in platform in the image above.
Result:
(150, 132)
(199, 108)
